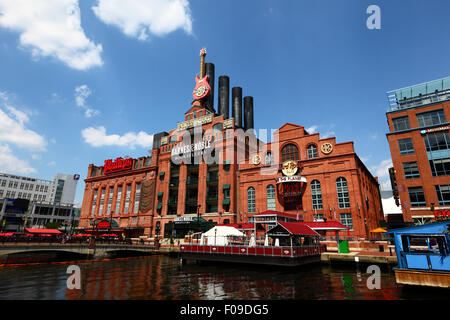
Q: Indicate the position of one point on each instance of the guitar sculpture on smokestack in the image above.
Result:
(202, 87)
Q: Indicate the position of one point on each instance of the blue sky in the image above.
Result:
(81, 82)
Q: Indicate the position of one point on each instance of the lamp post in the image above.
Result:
(198, 216)
(432, 207)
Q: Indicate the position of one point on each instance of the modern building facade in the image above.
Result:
(419, 142)
(213, 166)
(61, 189)
(17, 214)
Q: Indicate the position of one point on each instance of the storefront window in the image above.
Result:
(271, 205)
(342, 193)
(316, 195)
(289, 152)
(251, 200)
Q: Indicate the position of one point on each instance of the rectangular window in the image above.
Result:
(22, 185)
(127, 198)
(417, 197)
(3, 183)
(411, 170)
(346, 220)
(431, 118)
(401, 123)
(8, 194)
(1, 193)
(437, 141)
(136, 198)
(102, 197)
(10, 184)
(15, 184)
(440, 167)
(110, 197)
(318, 217)
(94, 200)
(118, 200)
(19, 195)
(406, 146)
(443, 194)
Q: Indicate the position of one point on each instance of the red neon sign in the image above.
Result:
(441, 213)
(119, 164)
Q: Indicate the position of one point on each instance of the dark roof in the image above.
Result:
(278, 213)
(296, 228)
(329, 225)
(239, 226)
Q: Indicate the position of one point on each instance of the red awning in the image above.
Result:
(8, 234)
(329, 225)
(297, 228)
(43, 231)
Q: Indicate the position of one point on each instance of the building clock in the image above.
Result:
(256, 159)
(326, 148)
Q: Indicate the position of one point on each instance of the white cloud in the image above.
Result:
(36, 156)
(328, 134)
(51, 28)
(142, 18)
(13, 130)
(373, 136)
(81, 94)
(312, 129)
(11, 164)
(381, 171)
(52, 163)
(97, 137)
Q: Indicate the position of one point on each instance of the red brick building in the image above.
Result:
(213, 166)
(420, 148)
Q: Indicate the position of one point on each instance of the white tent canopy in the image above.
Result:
(219, 235)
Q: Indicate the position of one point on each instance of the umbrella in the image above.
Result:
(277, 242)
(378, 230)
(266, 241)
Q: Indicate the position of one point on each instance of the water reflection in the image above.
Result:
(161, 277)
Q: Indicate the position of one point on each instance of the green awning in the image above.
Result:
(226, 201)
(160, 194)
(162, 173)
(226, 186)
(159, 206)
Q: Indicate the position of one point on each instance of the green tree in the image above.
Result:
(52, 225)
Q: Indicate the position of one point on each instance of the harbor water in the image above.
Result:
(164, 278)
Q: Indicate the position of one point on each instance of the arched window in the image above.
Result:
(270, 191)
(289, 152)
(251, 200)
(312, 151)
(342, 193)
(316, 195)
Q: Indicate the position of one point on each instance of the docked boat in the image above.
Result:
(285, 244)
(423, 254)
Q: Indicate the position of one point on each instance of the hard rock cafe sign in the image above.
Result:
(289, 168)
(119, 164)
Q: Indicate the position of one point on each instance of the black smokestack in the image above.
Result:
(236, 96)
(248, 113)
(224, 96)
(209, 70)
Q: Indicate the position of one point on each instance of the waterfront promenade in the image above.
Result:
(22, 252)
